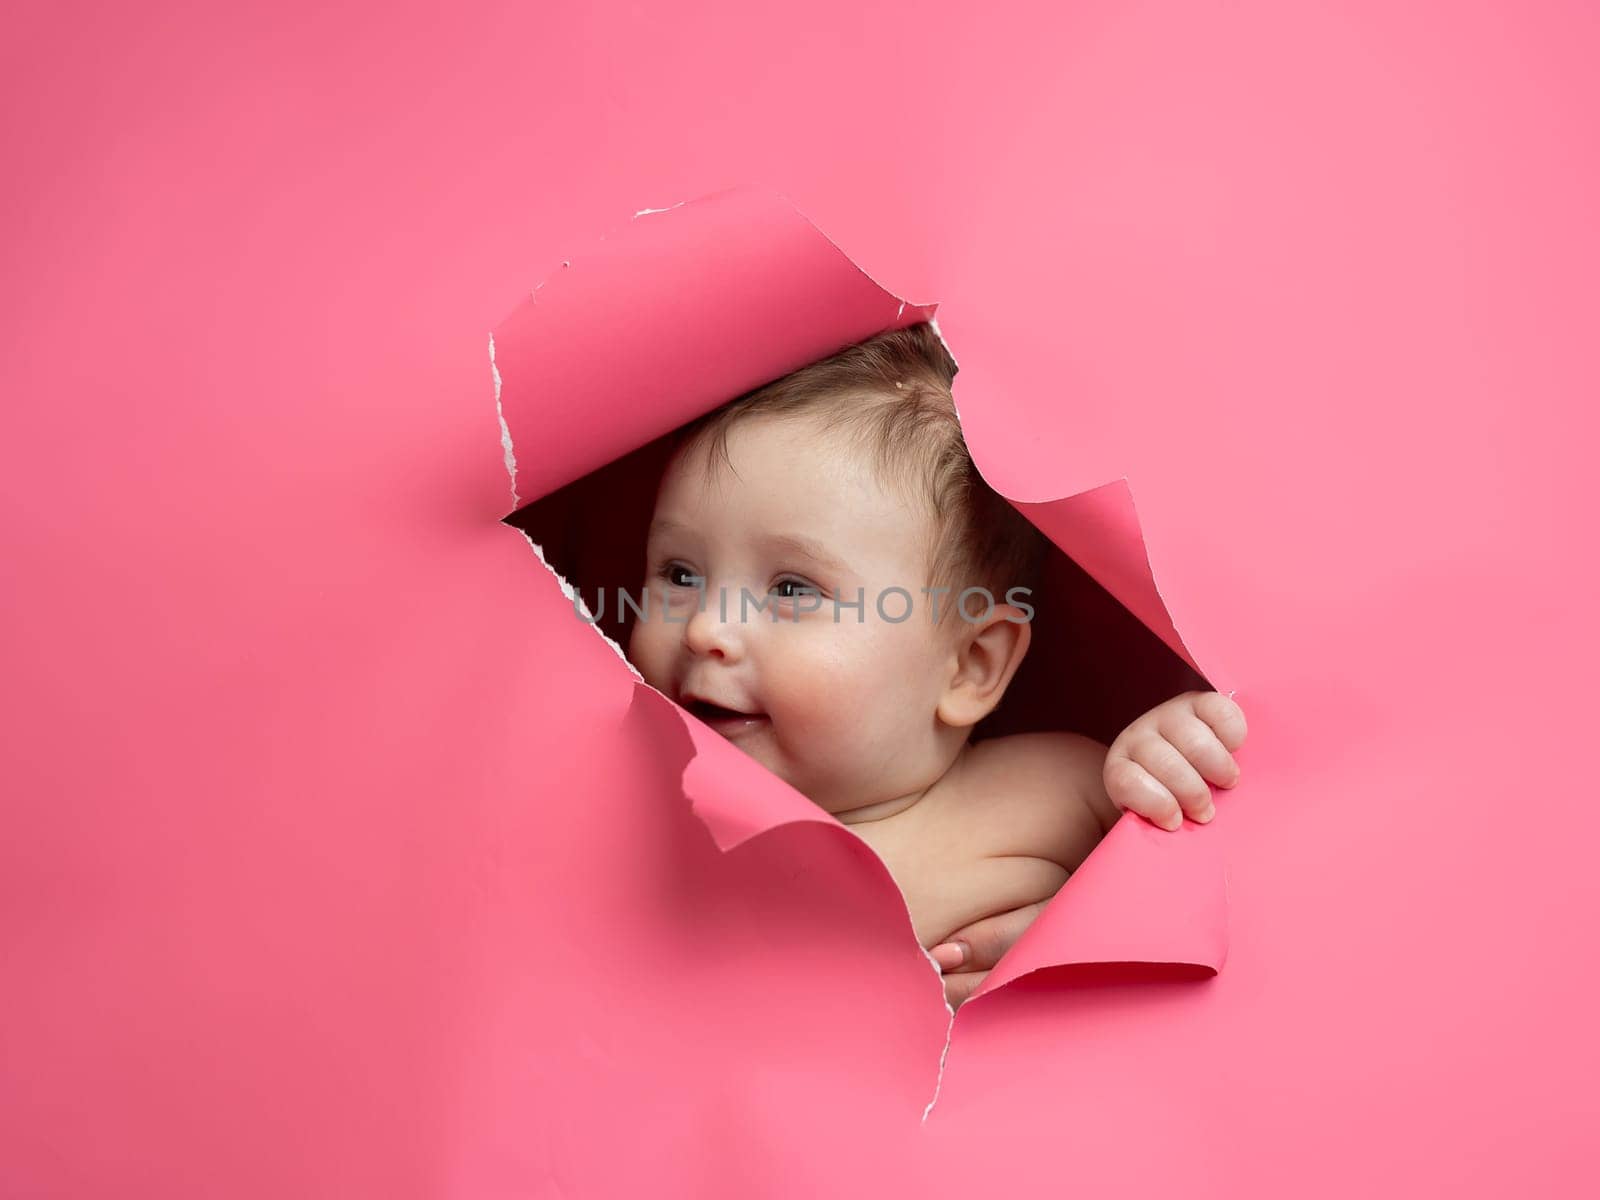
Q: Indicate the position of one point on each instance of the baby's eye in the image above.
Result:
(800, 586)
(667, 571)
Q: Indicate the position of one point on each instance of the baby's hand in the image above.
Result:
(1158, 766)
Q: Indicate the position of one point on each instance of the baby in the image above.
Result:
(806, 570)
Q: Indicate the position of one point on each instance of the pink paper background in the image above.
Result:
(335, 863)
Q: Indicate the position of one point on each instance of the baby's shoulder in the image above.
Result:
(1042, 795)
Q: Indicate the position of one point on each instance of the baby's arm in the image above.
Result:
(1048, 797)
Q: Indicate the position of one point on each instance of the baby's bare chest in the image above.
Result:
(1014, 796)
(964, 857)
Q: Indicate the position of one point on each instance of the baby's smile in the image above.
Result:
(731, 723)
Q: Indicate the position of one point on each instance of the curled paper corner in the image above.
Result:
(1100, 529)
(726, 293)
(1146, 897)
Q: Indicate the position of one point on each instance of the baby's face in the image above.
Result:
(843, 710)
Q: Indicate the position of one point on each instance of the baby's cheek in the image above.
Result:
(648, 656)
(828, 688)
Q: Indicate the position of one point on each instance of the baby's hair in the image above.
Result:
(891, 397)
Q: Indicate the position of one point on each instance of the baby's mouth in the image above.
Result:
(726, 721)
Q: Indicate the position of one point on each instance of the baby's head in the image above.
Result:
(847, 480)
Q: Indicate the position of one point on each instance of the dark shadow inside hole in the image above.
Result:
(1092, 666)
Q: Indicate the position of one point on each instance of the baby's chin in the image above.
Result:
(759, 744)
(795, 775)
(751, 735)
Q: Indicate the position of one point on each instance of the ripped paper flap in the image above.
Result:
(1099, 530)
(668, 317)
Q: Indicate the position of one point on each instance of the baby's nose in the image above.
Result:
(714, 628)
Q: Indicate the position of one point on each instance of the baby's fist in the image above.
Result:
(1160, 765)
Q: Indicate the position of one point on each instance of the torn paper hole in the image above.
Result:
(730, 292)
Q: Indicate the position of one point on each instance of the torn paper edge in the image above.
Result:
(579, 607)
(950, 1024)
(1155, 582)
(567, 589)
(505, 431)
(933, 323)
(949, 1032)
(904, 304)
(645, 212)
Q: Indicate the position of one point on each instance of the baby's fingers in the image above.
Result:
(980, 945)
(1151, 777)
(1197, 741)
(1133, 789)
(1224, 717)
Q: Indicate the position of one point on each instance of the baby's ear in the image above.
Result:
(988, 653)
